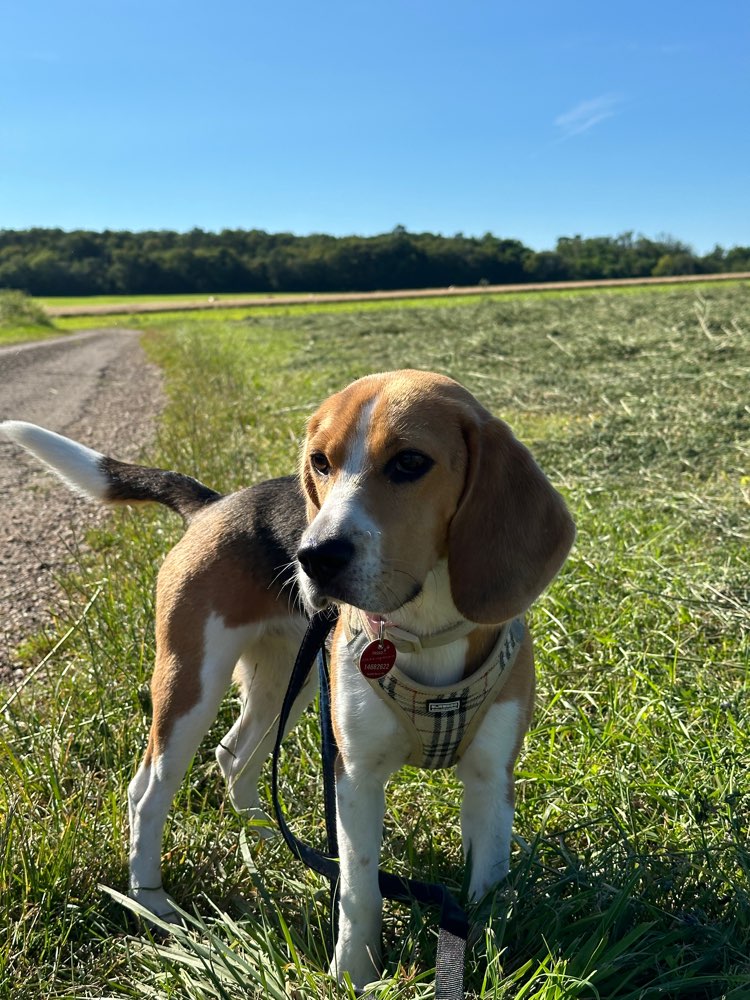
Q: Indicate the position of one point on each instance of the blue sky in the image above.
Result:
(528, 120)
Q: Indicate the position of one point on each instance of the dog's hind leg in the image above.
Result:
(262, 675)
(190, 680)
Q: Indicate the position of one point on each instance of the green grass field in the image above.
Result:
(19, 330)
(630, 877)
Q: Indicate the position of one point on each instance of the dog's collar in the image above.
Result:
(377, 627)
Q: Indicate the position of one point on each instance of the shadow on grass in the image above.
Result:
(610, 922)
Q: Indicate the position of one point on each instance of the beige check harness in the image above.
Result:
(441, 721)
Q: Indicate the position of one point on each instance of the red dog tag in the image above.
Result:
(377, 658)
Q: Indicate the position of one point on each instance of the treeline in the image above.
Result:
(56, 262)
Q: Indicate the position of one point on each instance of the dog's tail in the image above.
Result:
(105, 479)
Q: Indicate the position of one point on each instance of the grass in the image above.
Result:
(22, 318)
(17, 331)
(630, 874)
(25, 333)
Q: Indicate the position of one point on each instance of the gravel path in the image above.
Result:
(98, 388)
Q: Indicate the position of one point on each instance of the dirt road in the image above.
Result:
(98, 388)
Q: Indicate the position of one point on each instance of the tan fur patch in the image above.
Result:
(204, 574)
(481, 642)
(520, 688)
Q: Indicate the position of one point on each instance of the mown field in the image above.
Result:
(630, 877)
(24, 319)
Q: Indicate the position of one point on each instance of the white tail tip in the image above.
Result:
(78, 466)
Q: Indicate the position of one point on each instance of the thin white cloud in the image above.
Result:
(587, 114)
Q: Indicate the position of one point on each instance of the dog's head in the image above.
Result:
(404, 472)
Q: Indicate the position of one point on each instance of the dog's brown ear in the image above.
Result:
(511, 532)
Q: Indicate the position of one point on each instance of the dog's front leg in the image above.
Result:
(486, 770)
(360, 800)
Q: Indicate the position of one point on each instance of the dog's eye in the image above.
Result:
(408, 466)
(320, 463)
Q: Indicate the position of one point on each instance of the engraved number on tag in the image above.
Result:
(377, 658)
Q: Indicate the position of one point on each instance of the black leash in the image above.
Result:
(454, 924)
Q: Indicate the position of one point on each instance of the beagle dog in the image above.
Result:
(432, 528)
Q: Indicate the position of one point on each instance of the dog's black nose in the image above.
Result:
(322, 561)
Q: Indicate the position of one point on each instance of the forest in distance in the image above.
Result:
(51, 262)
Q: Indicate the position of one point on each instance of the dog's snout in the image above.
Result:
(323, 561)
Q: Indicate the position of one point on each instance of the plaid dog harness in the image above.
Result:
(441, 721)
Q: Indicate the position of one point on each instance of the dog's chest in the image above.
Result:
(422, 711)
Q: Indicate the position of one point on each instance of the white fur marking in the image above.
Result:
(342, 509)
(77, 465)
(356, 457)
(432, 611)
(343, 515)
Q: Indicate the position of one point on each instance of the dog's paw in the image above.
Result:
(158, 903)
(497, 903)
(260, 823)
(360, 967)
